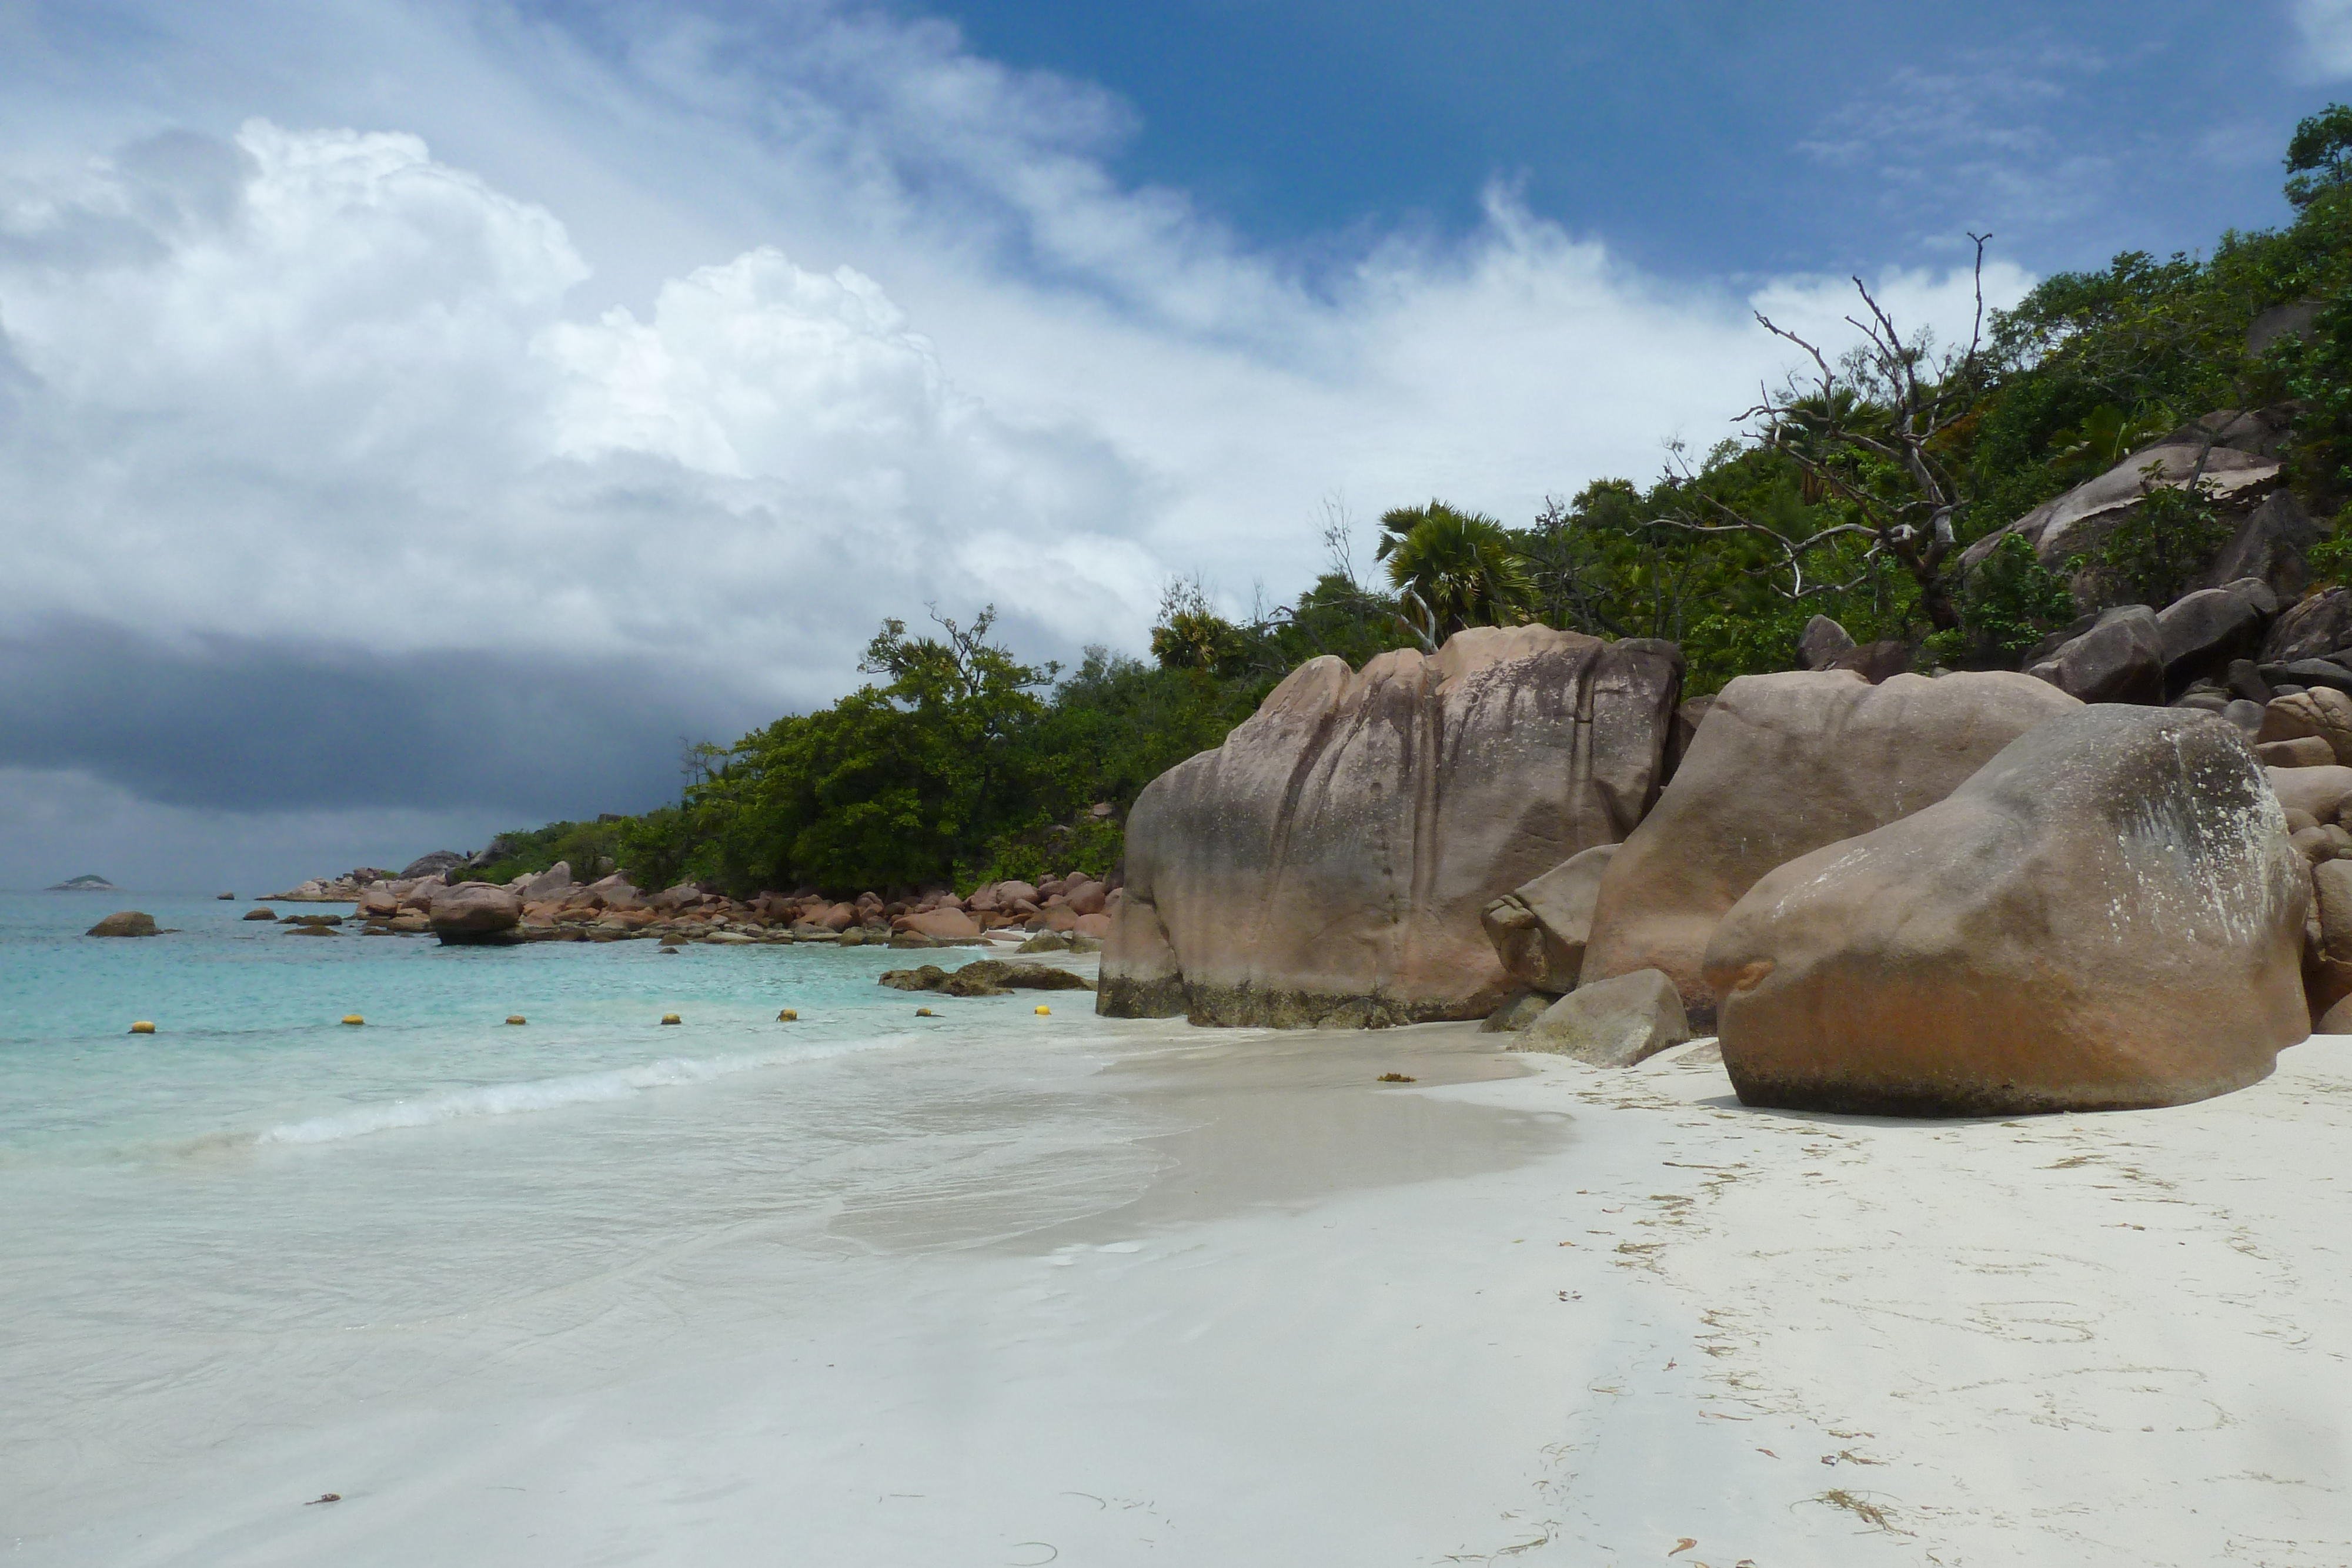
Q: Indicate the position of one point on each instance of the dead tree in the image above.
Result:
(1865, 432)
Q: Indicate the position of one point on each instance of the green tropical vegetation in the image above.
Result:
(1853, 493)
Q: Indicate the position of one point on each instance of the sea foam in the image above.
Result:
(549, 1093)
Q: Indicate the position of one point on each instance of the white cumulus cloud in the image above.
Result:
(749, 348)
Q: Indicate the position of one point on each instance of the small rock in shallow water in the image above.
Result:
(125, 922)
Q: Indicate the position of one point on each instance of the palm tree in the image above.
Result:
(1452, 569)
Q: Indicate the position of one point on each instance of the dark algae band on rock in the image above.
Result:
(2107, 916)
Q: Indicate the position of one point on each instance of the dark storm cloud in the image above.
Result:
(289, 723)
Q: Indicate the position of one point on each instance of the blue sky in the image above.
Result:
(416, 415)
(1699, 139)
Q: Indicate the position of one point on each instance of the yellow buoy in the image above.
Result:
(1044, 1011)
(353, 1018)
(142, 1026)
(516, 1017)
(669, 1017)
(924, 1013)
(788, 1016)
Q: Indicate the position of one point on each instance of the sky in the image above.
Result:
(420, 418)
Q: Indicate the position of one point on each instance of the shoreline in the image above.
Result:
(1518, 1309)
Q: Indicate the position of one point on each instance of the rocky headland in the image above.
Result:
(2112, 880)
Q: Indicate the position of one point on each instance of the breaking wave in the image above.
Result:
(546, 1093)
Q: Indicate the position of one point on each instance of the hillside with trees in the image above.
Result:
(1855, 492)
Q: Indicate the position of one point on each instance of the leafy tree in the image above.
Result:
(2331, 559)
(592, 849)
(2319, 155)
(2010, 602)
(2156, 550)
(2316, 370)
(890, 785)
(1190, 635)
(1451, 569)
(1588, 560)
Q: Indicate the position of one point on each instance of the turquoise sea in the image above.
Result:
(249, 1046)
(258, 1215)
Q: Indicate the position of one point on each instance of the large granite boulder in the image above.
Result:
(2321, 791)
(2271, 545)
(2328, 944)
(943, 924)
(2119, 660)
(2106, 915)
(1822, 641)
(2313, 629)
(1785, 764)
(1875, 661)
(2320, 712)
(474, 914)
(1327, 864)
(440, 863)
(2205, 631)
(2076, 522)
(1539, 930)
(2309, 674)
(555, 882)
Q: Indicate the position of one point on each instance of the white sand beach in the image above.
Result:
(1518, 1309)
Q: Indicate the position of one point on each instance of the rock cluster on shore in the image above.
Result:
(1971, 894)
(551, 907)
(1783, 765)
(2108, 914)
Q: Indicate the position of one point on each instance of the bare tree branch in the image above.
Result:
(1891, 399)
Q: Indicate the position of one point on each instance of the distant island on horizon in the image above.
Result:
(82, 884)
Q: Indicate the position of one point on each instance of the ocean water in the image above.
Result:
(258, 1215)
